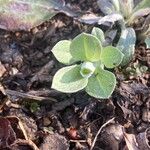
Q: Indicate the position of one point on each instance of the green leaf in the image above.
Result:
(101, 85)
(111, 56)
(87, 69)
(126, 44)
(142, 5)
(69, 79)
(99, 34)
(62, 52)
(25, 14)
(85, 47)
(147, 41)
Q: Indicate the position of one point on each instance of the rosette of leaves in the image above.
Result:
(126, 13)
(126, 10)
(87, 60)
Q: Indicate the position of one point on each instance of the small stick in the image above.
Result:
(95, 139)
(80, 141)
(28, 96)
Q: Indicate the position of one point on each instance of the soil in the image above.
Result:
(55, 121)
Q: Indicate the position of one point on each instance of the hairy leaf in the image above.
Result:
(112, 18)
(108, 6)
(110, 36)
(99, 34)
(101, 85)
(85, 47)
(111, 56)
(126, 7)
(62, 52)
(135, 16)
(147, 41)
(25, 14)
(87, 69)
(142, 5)
(69, 79)
(89, 18)
(126, 44)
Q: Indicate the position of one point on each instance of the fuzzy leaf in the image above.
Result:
(62, 52)
(99, 34)
(85, 47)
(147, 41)
(110, 36)
(108, 6)
(126, 44)
(126, 7)
(136, 15)
(142, 5)
(101, 85)
(87, 69)
(111, 56)
(25, 14)
(112, 18)
(69, 79)
(89, 18)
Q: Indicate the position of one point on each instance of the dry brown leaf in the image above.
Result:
(143, 140)
(131, 141)
(2, 69)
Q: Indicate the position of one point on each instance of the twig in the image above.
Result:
(28, 96)
(80, 141)
(95, 139)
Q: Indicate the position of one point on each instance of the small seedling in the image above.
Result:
(89, 72)
(137, 70)
(34, 107)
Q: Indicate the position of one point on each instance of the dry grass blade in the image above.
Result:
(104, 125)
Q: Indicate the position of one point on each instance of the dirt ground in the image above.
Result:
(34, 116)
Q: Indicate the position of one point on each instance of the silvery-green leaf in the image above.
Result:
(62, 52)
(142, 5)
(112, 18)
(110, 36)
(108, 6)
(101, 85)
(136, 15)
(147, 41)
(99, 34)
(89, 18)
(126, 7)
(87, 69)
(111, 56)
(69, 79)
(85, 47)
(116, 5)
(126, 44)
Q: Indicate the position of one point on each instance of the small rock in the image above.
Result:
(14, 71)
